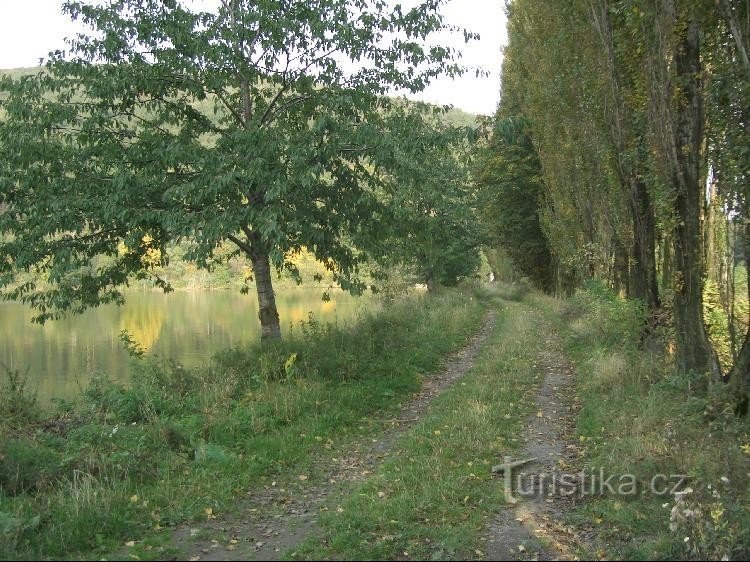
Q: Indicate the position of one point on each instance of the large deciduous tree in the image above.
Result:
(435, 236)
(262, 124)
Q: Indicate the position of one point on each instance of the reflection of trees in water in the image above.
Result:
(143, 321)
(61, 355)
(294, 309)
(186, 326)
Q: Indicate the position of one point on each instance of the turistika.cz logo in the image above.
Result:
(589, 482)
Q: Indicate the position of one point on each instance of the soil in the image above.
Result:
(533, 528)
(273, 520)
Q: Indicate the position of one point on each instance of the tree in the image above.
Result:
(263, 124)
(677, 96)
(511, 187)
(626, 120)
(553, 77)
(434, 231)
(729, 153)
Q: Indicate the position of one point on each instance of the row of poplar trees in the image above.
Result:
(621, 151)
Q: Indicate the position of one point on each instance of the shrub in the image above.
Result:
(27, 466)
(18, 406)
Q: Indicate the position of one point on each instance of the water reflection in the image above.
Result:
(188, 326)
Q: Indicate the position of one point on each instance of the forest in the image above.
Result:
(628, 123)
(555, 293)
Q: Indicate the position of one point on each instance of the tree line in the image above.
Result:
(621, 151)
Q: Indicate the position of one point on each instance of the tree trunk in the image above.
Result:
(646, 286)
(694, 351)
(620, 266)
(666, 262)
(739, 376)
(255, 249)
(713, 261)
(267, 312)
(430, 281)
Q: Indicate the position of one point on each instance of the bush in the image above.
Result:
(18, 406)
(27, 466)
(605, 319)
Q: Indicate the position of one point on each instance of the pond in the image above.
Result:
(189, 327)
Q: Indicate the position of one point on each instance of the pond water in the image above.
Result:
(189, 327)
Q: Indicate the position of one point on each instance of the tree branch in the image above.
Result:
(229, 107)
(240, 244)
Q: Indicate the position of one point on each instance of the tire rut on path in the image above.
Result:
(533, 528)
(274, 520)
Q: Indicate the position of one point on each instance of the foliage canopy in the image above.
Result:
(264, 124)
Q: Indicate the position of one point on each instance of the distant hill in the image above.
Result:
(453, 116)
(18, 72)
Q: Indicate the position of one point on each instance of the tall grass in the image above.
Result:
(127, 462)
(641, 417)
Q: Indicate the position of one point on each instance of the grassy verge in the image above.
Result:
(639, 417)
(433, 497)
(130, 462)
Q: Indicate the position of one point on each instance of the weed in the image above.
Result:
(18, 405)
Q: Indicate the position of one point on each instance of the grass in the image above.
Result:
(640, 417)
(128, 463)
(432, 498)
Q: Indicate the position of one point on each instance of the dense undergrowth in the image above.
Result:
(641, 417)
(126, 462)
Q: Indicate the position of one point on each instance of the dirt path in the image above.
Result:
(274, 520)
(532, 529)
